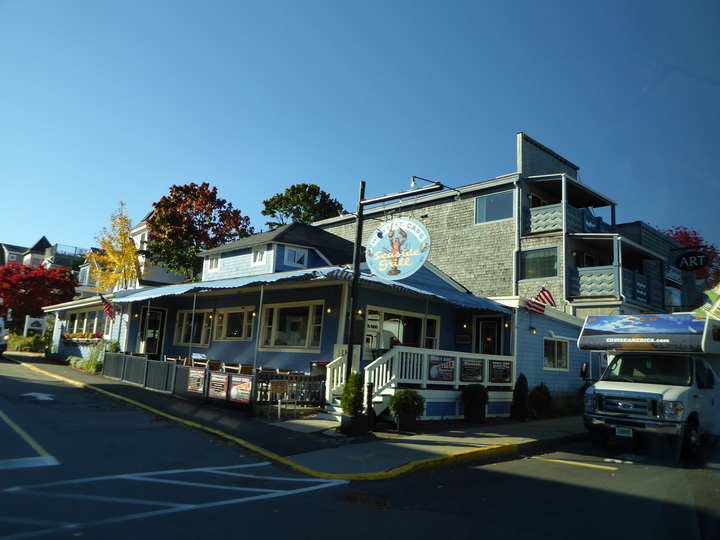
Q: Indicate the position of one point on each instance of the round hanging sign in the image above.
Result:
(398, 249)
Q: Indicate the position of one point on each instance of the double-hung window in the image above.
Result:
(213, 263)
(297, 326)
(234, 324)
(193, 328)
(494, 207)
(555, 354)
(539, 263)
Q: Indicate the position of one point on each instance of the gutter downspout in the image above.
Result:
(258, 328)
(564, 239)
(617, 258)
(518, 232)
(192, 328)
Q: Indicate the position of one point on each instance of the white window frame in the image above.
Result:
(184, 324)
(221, 324)
(271, 337)
(258, 256)
(88, 322)
(427, 341)
(484, 198)
(523, 264)
(293, 254)
(213, 263)
(551, 364)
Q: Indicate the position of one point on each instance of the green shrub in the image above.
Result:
(408, 402)
(474, 395)
(351, 400)
(519, 406)
(113, 347)
(570, 404)
(85, 364)
(540, 401)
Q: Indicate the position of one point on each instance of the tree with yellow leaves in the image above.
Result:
(116, 263)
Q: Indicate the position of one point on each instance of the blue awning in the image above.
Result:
(438, 290)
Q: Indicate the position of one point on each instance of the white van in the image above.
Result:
(661, 378)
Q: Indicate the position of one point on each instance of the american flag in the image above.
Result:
(107, 308)
(537, 304)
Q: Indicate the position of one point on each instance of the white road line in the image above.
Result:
(203, 485)
(576, 464)
(29, 462)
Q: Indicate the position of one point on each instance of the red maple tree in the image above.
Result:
(192, 219)
(27, 289)
(693, 240)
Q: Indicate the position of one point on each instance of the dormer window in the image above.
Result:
(296, 257)
(258, 256)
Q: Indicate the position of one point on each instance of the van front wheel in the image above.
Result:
(691, 438)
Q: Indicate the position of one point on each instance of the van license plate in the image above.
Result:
(623, 432)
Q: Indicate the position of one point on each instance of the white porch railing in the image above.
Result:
(424, 368)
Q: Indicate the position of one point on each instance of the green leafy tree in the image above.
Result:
(27, 289)
(300, 203)
(116, 263)
(191, 219)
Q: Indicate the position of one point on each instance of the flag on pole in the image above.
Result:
(107, 308)
(537, 304)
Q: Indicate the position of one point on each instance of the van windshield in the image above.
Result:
(651, 369)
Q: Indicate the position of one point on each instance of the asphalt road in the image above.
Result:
(74, 464)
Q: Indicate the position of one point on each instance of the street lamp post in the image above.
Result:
(354, 288)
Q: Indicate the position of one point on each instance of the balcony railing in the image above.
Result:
(604, 281)
(550, 218)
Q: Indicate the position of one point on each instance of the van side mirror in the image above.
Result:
(585, 370)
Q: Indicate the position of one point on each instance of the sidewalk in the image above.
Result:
(312, 446)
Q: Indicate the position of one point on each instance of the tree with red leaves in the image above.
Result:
(693, 240)
(26, 289)
(190, 220)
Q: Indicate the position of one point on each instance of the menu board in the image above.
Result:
(218, 385)
(472, 370)
(500, 371)
(196, 380)
(442, 368)
(241, 388)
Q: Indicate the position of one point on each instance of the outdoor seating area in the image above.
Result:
(260, 391)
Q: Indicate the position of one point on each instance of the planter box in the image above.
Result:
(354, 426)
(406, 422)
(475, 414)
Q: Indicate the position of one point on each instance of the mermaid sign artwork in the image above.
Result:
(398, 249)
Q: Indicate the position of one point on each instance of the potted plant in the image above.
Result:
(352, 422)
(474, 397)
(406, 405)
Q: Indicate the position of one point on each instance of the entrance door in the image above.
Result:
(152, 325)
(487, 336)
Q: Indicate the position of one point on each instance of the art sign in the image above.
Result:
(398, 249)
(694, 260)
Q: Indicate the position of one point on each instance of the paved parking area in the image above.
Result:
(108, 500)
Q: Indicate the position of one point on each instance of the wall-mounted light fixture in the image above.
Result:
(533, 330)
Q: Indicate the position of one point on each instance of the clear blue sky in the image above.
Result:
(103, 101)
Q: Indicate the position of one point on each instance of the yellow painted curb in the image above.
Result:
(456, 457)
